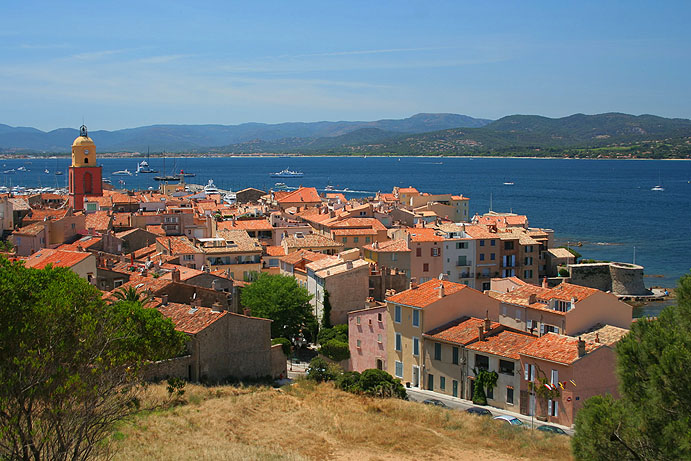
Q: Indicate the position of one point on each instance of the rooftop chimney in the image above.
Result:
(481, 333)
(164, 299)
(175, 275)
(544, 283)
(581, 347)
(413, 283)
(216, 307)
(532, 299)
(441, 290)
(597, 337)
(488, 322)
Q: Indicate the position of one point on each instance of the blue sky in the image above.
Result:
(125, 64)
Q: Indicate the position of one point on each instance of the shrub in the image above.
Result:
(563, 272)
(349, 381)
(335, 350)
(339, 332)
(320, 370)
(378, 383)
(285, 344)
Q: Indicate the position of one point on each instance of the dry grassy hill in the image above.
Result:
(314, 422)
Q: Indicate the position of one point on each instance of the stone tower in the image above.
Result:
(85, 175)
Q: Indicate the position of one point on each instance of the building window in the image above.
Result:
(425, 267)
(358, 320)
(482, 256)
(359, 343)
(454, 355)
(461, 245)
(482, 243)
(528, 274)
(356, 239)
(442, 382)
(416, 318)
(379, 317)
(492, 256)
(435, 252)
(418, 252)
(553, 408)
(379, 338)
(397, 314)
(555, 377)
(481, 362)
(367, 239)
(398, 342)
(529, 371)
(509, 395)
(437, 351)
(508, 245)
(394, 257)
(399, 369)
(506, 367)
(492, 242)
(345, 239)
(518, 315)
(528, 249)
(528, 260)
(416, 346)
(503, 310)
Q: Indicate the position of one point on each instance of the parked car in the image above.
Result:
(509, 419)
(435, 402)
(478, 411)
(552, 429)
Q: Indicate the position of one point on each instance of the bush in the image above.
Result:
(285, 344)
(335, 350)
(563, 272)
(320, 370)
(349, 381)
(339, 332)
(378, 383)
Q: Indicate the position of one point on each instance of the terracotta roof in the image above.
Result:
(560, 253)
(273, 250)
(337, 196)
(311, 241)
(103, 202)
(299, 255)
(179, 245)
(362, 223)
(424, 234)
(505, 344)
(84, 242)
(346, 232)
(242, 242)
(303, 194)
(566, 291)
(99, 220)
(388, 197)
(121, 219)
(185, 272)
(407, 190)
(142, 252)
(389, 246)
(19, 203)
(557, 348)
(32, 229)
(155, 229)
(188, 319)
(58, 258)
(605, 334)
(246, 224)
(48, 213)
(460, 331)
(426, 293)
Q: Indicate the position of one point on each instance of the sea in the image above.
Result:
(605, 209)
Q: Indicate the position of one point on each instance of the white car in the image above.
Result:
(510, 419)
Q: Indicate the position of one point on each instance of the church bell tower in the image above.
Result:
(84, 174)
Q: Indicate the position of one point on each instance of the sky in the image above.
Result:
(127, 64)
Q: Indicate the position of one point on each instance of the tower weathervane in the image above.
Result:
(82, 131)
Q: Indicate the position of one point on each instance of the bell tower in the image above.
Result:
(84, 174)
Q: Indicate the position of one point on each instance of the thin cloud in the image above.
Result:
(92, 55)
(163, 58)
(361, 52)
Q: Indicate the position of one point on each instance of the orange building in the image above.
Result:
(84, 174)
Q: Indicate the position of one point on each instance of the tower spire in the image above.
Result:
(82, 131)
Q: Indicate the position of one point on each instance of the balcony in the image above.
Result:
(467, 264)
(466, 275)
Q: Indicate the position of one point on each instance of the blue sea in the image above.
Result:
(606, 205)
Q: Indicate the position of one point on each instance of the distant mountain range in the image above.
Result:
(609, 135)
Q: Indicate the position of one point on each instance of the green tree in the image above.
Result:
(378, 383)
(70, 364)
(131, 294)
(484, 381)
(320, 370)
(326, 312)
(335, 350)
(281, 299)
(652, 420)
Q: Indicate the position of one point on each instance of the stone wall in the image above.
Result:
(619, 278)
(386, 280)
(171, 368)
(279, 365)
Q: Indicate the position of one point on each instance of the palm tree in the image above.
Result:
(130, 294)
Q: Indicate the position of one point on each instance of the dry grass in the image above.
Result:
(310, 422)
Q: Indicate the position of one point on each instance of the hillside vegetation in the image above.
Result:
(309, 421)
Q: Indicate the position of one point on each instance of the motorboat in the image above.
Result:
(658, 188)
(143, 167)
(287, 174)
(211, 188)
(329, 187)
(46, 171)
(508, 183)
(22, 168)
(9, 171)
(230, 198)
(124, 172)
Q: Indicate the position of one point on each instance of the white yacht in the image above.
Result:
(124, 172)
(211, 188)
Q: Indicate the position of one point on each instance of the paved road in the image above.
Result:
(461, 404)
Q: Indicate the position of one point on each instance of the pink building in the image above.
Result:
(367, 338)
(578, 368)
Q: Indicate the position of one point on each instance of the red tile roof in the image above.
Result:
(557, 348)
(32, 229)
(178, 244)
(460, 331)
(504, 344)
(99, 220)
(426, 293)
(188, 319)
(246, 224)
(424, 234)
(299, 255)
(388, 246)
(303, 194)
(58, 258)
(273, 250)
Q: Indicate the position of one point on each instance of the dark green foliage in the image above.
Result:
(484, 381)
(595, 425)
(326, 313)
(653, 418)
(285, 344)
(281, 299)
(335, 350)
(349, 381)
(69, 363)
(320, 370)
(563, 272)
(378, 383)
(575, 253)
(176, 387)
(339, 332)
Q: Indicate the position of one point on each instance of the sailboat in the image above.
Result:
(659, 187)
(143, 167)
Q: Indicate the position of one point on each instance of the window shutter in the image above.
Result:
(549, 407)
(527, 372)
(555, 377)
(532, 373)
(556, 408)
